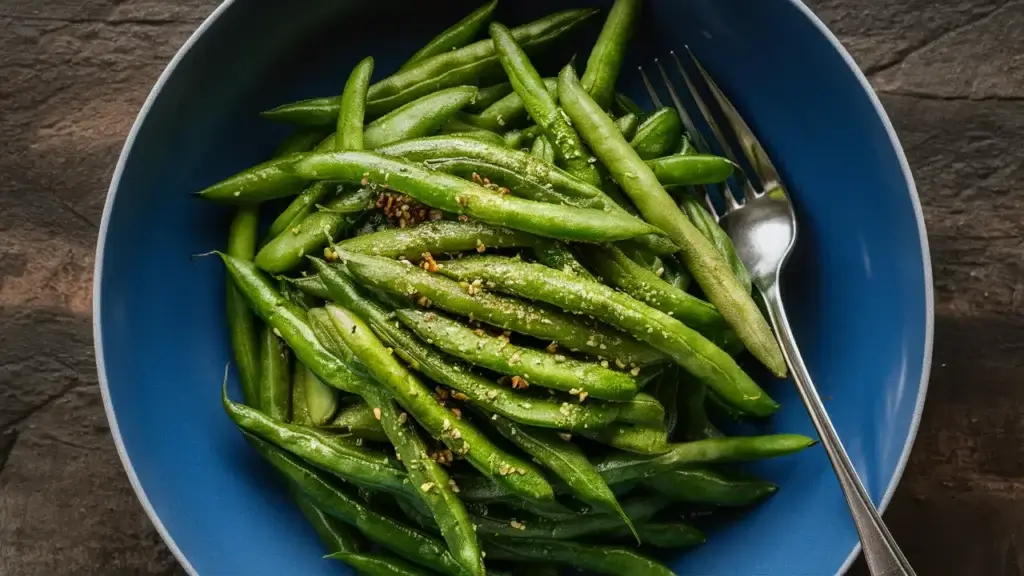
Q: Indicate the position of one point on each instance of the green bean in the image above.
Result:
(439, 237)
(465, 123)
(622, 467)
(421, 117)
(378, 565)
(687, 347)
(501, 311)
(500, 177)
(336, 536)
(600, 559)
(669, 535)
(305, 203)
(290, 322)
(559, 455)
(352, 111)
(436, 490)
(675, 274)
(618, 271)
(358, 420)
(476, 134)
(301, 140)
(666, 390)
(541, 412)
(242, 323)
(311, 285)
(456, 68)
(689, 169)
(275, 376)
(289, 249)
(625, 105)
(458, 196)
(636, 511)
(300, 411)
(632, 438)
(658, 134)
(692, 398)
(542, 149)
(542, 107)
(706, 486)
(488, 95)
(440, 148)
(704, 222)
(455, 37)
(329, 497)
(540, 368)
(265, 181)
(643, 409)
(557, 255)
(708, 267)
(522, 139)
(606, 58)
(324, 450)
(321, 400)
(627, 125)
(510, 111)
(459, 435)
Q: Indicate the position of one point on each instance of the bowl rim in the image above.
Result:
(226, 4)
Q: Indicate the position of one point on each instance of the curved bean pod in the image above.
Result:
(488, 95)
(606, 58)
(704, 222)
(620, 468)
(690, 169)
(465, 65)
(352, 111)
(459, 435)
(658, 134)
(457, 36)
(323, 450)
(421, 117)
(510, 111)
(600, 559)
(501, 311)
(337, 536)
(242, 323)
(706, 486)
(567, 461)
(687, 347)
(378, 565)
(708, 267)
(542, 107)
(502, 400)
(540, 368)
(458, 196)
(439, 237)
(326, 495)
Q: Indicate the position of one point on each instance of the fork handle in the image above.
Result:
(883, 556)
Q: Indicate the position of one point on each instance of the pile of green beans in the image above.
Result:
(438, 410)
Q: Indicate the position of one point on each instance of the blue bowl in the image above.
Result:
(859, 287)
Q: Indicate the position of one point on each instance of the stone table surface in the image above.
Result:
(73, 75)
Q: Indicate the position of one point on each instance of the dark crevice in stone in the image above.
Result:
(928, 96)
(7, 440)
(901, 56)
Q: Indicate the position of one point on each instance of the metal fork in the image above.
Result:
(762, 225)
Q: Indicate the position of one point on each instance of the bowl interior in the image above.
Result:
(857, 288)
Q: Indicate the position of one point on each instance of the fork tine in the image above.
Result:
(755, 153)
(698, 141)
(704, 111)
(691, 128)
(650, 88)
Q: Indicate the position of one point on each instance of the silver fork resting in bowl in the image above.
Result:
(762, 226)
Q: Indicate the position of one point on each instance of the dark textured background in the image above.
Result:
(73, 74)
